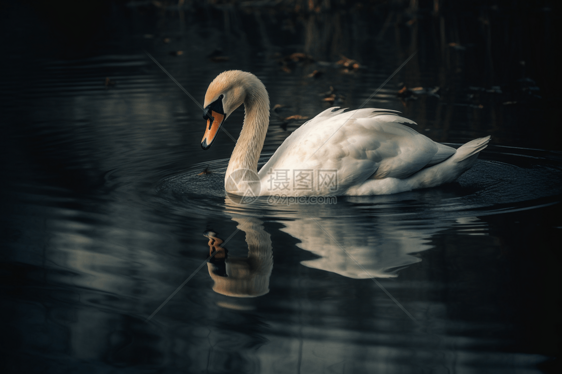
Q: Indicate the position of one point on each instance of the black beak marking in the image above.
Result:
(204, 144)
(216, 106)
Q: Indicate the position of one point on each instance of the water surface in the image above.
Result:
(104, 213)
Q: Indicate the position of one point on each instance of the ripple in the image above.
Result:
(504, 181)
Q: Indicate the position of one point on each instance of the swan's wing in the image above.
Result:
(406, 154)
(359, 144)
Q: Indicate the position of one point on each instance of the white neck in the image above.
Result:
(256, 121)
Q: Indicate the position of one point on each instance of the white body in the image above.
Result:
(372, 152)
(367, 151)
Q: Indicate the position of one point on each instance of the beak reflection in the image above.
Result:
(242, 277)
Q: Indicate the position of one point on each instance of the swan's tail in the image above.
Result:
(470, 149)
(450, 169)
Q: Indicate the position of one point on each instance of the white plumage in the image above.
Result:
(371, 151)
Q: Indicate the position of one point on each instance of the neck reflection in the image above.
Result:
(242, 276)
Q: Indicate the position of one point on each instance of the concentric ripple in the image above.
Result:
(503, 180)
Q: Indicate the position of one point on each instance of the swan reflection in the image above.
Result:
(242, 276)
(359, 250)
(346, 242)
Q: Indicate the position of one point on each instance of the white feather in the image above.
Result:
(371, 151)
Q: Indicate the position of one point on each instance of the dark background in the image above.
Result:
(90, 247)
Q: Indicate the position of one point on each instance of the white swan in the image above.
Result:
(359, 152)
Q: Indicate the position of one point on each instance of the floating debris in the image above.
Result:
(295, 117)
(285, 68)
(205, 172)
(425, 91)
(348, 63)
(457, 46)
(331, 96)
(279, 108)
(277, 112)
(335, 99)
(292, 60)
(315, 74)
(406, 94)
(176, 53)
(418, 90)
(166, 40)
(148, 36)
(411, 93)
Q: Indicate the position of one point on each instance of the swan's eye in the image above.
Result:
(215, 106)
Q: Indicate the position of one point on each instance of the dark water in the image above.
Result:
(103, 210)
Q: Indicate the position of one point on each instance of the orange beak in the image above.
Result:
(213, 125)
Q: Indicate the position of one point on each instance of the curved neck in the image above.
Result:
(250, 142)
(258, 240)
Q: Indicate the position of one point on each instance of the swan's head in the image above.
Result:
(225, 94)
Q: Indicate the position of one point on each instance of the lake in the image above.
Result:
(109, 206)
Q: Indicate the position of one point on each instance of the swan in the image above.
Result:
(338, 152)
